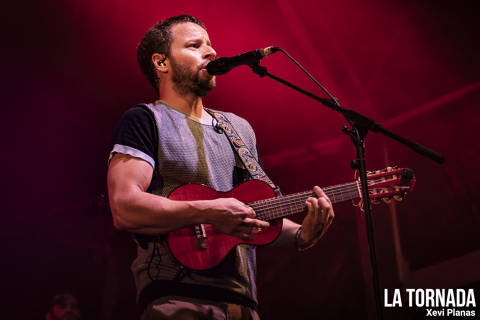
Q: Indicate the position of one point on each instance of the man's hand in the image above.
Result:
(235, 218)
(317, 221)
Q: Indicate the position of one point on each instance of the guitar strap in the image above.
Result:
(251, 164)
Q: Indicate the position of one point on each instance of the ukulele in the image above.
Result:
(201, 247)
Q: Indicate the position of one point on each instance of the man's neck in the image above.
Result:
(190, 104)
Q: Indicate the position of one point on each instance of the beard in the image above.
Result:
(187, 81)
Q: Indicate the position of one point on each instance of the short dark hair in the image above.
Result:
(61, 299)
(157, 40)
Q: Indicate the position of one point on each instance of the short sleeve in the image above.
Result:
(136, 135)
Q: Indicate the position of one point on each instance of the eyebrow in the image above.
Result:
(198, 39)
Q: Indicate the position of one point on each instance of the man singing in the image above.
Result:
(174, 141)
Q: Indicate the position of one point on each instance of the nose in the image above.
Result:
(210, 54)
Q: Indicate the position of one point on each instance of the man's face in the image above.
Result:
(190, 52)
(66, 309)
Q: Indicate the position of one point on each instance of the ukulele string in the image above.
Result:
(286, 205)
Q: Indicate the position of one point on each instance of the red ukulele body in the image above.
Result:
(206, 253)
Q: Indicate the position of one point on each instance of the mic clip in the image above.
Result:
(258, 69)
(216, 126)
(218, 129)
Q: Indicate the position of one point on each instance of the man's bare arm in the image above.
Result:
(136, 210)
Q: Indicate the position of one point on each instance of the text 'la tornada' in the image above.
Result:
(431, 298)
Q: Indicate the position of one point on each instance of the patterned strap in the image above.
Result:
(248, 160)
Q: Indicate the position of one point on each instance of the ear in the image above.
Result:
(160, 62)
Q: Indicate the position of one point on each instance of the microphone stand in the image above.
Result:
(359, 127)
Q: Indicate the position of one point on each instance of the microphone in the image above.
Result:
(223, 65)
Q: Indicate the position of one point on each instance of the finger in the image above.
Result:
(249, 211)
(252, 230)
(241, 216)
(321, 194)
(328, 224)
(331, 216)
(318, 211)
(309, 205)
(246, 212)
(323, 203)
(256, 230)
(312, 217)
(325, 209)
(255, 223)
(313, 206)
(243, 207)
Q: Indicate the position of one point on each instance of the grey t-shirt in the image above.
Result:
(188, 150)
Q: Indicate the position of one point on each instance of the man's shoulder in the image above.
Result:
(232, 116)
(138, 112)
(236, 120)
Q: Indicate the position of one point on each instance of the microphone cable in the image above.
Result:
(310, 76)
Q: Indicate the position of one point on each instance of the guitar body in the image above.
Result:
(184, 244)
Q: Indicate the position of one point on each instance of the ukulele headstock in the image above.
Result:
(390, 183)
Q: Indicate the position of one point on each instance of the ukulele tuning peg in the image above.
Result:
(408, 174)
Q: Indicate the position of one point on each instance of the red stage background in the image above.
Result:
(70, 72)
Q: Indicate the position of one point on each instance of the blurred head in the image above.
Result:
(64, 307)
